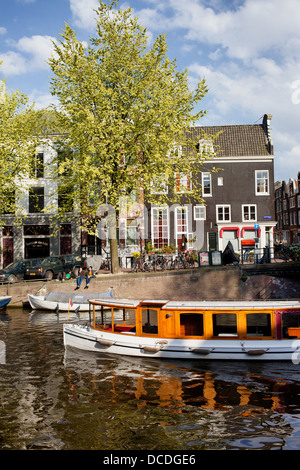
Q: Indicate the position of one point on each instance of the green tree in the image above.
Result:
(20, 133)
(126, 110)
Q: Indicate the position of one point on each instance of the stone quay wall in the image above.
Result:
(222, 283)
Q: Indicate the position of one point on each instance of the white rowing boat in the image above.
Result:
(64, 302)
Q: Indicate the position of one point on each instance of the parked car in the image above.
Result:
(16, 271)
(50, 267)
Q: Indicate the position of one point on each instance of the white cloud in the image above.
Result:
(2, 30)
(252, 62)
(83, 12)
(248, 31)
(42, 100)
(29, 54)
(38, 47)
(13, 63)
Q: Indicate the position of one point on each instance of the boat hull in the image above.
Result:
(38, 302)
(87, 339)
(4, 301)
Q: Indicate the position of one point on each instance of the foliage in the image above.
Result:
(126, 110)
(21, 128)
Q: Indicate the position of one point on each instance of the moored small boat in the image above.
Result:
(4, 301)
(268, 330)
(65, 302)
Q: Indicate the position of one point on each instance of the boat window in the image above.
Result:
(258, 324)
(224, 324)
(149, 321)
(129, 316)
(191, 324)
(291, 325)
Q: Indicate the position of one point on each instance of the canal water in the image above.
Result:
(52, 399)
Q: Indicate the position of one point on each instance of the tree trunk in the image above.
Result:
(115, 266)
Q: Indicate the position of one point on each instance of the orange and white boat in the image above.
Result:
(254, 330)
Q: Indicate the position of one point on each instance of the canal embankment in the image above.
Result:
(205, 283)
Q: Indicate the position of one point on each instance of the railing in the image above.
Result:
(162, 262)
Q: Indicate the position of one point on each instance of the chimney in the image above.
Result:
(267, 128)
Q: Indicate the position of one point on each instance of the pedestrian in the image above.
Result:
(70, 275)
(61, 277)
(90, 274)
(80, 277)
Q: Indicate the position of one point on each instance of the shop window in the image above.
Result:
(65, 239)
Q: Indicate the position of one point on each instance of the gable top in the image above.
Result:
(238, 140)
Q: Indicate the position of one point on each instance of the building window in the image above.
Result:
(261, 182)
(249, 213)
(65, 203)
(200, 213)
(65, 239)
(36, 199)
(181, 227)
(206, 184)
(8, 202)
(205, 147)
(183, 182)
(160, 185)
(160, 227)
(223, 213)
(38, 166)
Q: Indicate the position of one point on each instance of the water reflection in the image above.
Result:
(207, 385)
(57, 399)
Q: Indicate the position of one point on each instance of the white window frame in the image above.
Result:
(185, 182)
(206, 147)
(223, 207)
(159, 186)
(203, 176)
(201, 210)
(165, 225)
(265, 191)
(250, 219)
(184, 232)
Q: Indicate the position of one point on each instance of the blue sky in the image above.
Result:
(247, 50)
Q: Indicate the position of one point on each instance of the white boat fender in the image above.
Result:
(106, 342)
(151, 349)
(255, 352)
(203, 351)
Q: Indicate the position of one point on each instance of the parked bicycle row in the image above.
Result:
(164, 262)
